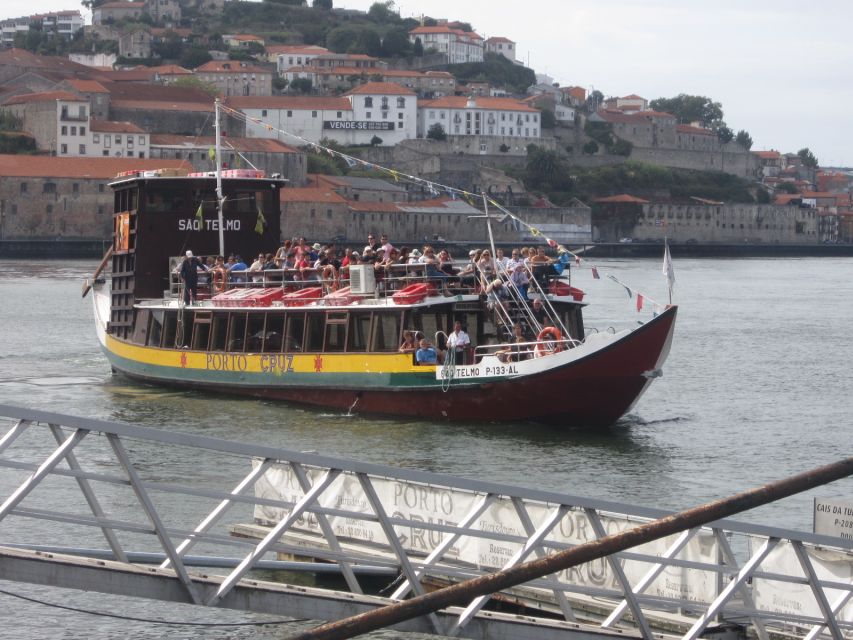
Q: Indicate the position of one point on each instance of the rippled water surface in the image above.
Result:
(757, 386)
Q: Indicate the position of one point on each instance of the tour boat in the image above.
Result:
(335, 344)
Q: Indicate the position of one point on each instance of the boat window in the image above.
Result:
(201, 332)
(470, 325)
(219, 332)
(140, 326)
(316, 327)
(573, 321)
(359, 331)
(295, 332)
(429, 323)
(386, 332)
(237, 332)
(170, 327)
(132, 197)
(166, 201)
(256, 333)
(336, 332)
(156, 331)
(274, 333)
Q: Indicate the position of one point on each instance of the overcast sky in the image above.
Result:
(782, 69)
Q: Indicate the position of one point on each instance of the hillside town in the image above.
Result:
(135, 89)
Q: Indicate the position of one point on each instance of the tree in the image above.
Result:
(396, 43)
(724, 134)
(549, 120)
(418, 48)
(383, 12)
(301, 85)
(326, 5)
(787, 187)
(375, 141)
(808, 158)
(689, 108)
(590, 148)
(594, 100)
(367, 42)
(436, 132)
(193, 57)
(192, 82)
(544, 168)
(744, 139)
(342, 38)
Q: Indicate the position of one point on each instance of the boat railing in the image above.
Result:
(389, 279)
(517, 351)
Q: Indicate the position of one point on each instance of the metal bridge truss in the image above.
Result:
(242, 508)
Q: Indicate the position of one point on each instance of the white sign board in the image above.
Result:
(833, 518)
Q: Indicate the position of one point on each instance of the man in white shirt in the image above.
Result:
(458, 341)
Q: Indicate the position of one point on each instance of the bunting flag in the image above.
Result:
(211, 153)
(639, 302)
(535, 232)
(551, 243)
(595, 273)
(432, 190)
(261, 223)
(667, 269)
(626, 287)
(468, 198)
(351, 162)
(578, 260)
(395, 175)
(199, 214)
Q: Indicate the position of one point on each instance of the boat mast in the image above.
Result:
(220, 199)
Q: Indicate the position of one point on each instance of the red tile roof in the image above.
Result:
(698, 131)
(379, 88)
(229, 66)
(786, 198)
(88, 86)
(623, 198)
(296, 49)
(500, 39)
(640, 117)
(146, 74)
(768, 155)
(288, 102)
(265, 145)
(311, 194)
(494, 104)
(21, 166)
(445, 29)
(121, 5)
(633, 96)
(162, 105)
(55, 64)
(244, 37)
(46, 96)
(110, 126)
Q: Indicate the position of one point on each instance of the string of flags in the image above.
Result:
(436, 190)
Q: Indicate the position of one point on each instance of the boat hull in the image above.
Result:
(572, 388)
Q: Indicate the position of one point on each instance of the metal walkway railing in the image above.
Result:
(67, 482)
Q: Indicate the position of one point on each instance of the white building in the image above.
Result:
(501, 46)
(302, 116)
(459, 46)
(382, 109)
(62, 23)
(287, 56)
(460, 116)
(62, 124)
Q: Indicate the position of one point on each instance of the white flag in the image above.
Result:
(668, 271)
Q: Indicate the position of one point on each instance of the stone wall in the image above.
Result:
(707, 224)
(55, 208)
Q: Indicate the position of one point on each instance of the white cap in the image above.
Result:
(189, 254)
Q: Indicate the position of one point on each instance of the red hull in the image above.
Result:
(594, 391)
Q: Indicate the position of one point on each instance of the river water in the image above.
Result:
(757, 387)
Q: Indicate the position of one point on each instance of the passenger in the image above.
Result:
(386, 246)
(371, 242)
(458, 342)
(257, 269)
(306, 268)
(237, 269)
(415, 257)
(282, 252)
(189, 276)
(433, 273)
(518, 276)
(468, 275)
(408, 345)
(501, 261)
(517, 349)
(426, 355)
(539, 264)
(538, 311)
(327, 267)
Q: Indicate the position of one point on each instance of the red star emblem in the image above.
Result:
(318, 363)
(184, 360)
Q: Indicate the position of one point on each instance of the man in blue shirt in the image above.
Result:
(426, 355)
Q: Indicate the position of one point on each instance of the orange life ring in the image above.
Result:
(548, 341)
(218, 280)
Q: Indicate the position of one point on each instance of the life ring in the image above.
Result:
(218, 280)
(548, 341)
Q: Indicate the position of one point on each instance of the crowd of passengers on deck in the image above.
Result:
(299, 261)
